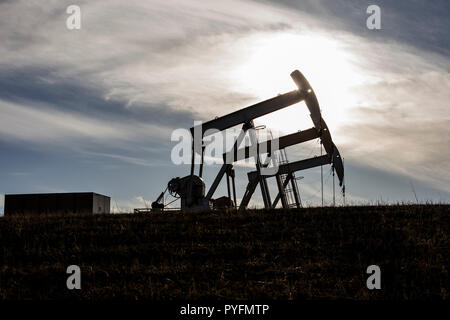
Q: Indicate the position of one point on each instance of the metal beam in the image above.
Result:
(319, 123)
(281, 192)
(338, 165)
(217, 180)
(255, 111)
(295, 192)
(295, 166)
(234, 187)
(251, 186)
(226, 166)
(279, 195)
(283, 142)
(262, 180)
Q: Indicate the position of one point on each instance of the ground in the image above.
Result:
(311, 253)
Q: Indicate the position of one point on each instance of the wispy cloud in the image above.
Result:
(45, 125)
(128, 159)
(401, 121)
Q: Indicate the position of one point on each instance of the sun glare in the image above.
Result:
(268, 59)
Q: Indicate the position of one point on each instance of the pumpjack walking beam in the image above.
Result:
(252, 112)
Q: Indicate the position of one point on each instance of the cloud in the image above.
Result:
(401, 123)
(386, 104)
(128, 159)
(120, 77)
(155, 51)
(42, 124)
(420, 24)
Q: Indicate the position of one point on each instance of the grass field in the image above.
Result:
(313, 253)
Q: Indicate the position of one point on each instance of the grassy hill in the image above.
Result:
(312, 253)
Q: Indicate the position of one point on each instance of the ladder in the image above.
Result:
(287, 182)
(289, 189)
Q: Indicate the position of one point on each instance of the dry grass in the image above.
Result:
(314, 253)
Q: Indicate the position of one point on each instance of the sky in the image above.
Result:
(94, 109)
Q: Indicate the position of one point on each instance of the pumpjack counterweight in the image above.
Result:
(191, 189)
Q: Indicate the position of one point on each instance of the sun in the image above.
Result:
(267, 59)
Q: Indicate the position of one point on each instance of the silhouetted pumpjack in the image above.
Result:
(191, 189)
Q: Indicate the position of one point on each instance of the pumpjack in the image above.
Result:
(191, 189)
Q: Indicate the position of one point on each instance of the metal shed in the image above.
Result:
(56, 203)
